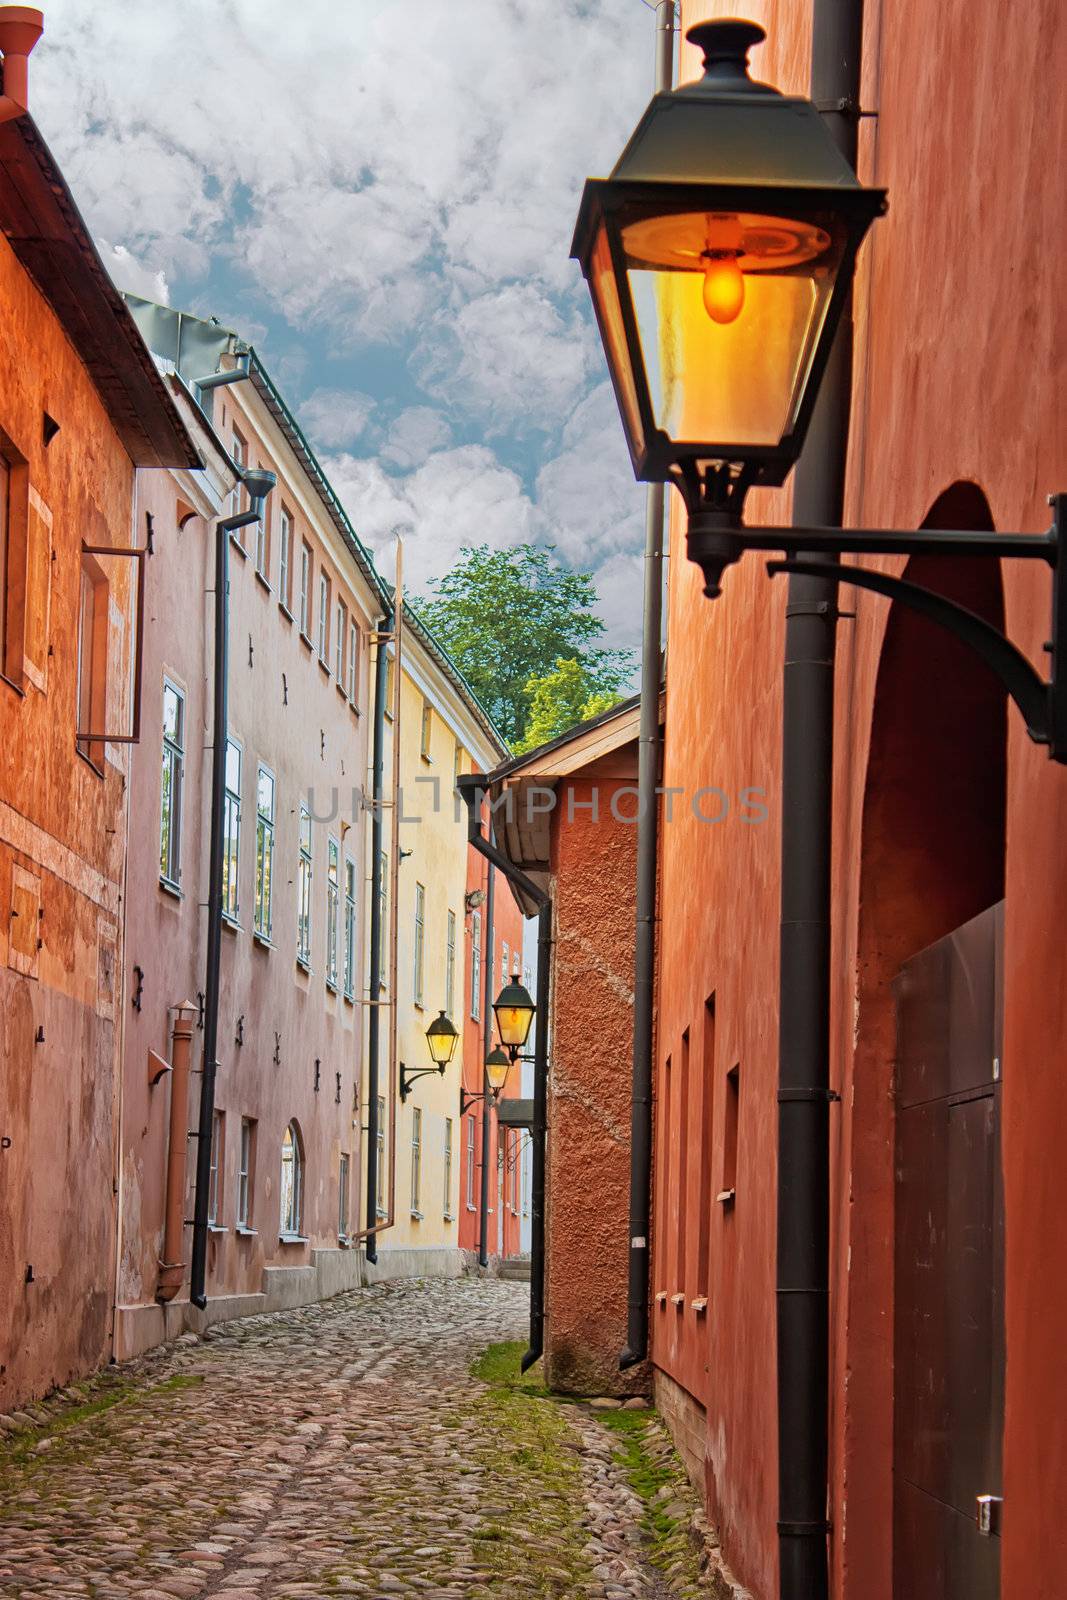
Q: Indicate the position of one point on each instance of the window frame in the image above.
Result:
(217, 1160)
(263, 542)
(333, 909)
(304, 886)
(426, 729)
(285, 558)
(307, 578)
(352, 687)
(450, 963)
(448, 1170)
(170, 805)
(471, 1160)
(231, 814)
(416, 1161)
(419, 974)
(262, 924)
(344, 1179)
(245, 1160)
(340, 623)
(379, 1186)
(325, 591)
(90, 702)
(476, 966)
(239, 457)
(351, 903)
(291, 1220)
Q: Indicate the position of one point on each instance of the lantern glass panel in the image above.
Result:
(497, 1067)
(605, 291)
(729, 309)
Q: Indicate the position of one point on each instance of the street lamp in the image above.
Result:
(442, 1037)
(719, 255)
(497, 1067)
(514, 1011)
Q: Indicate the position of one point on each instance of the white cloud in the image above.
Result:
(588, 500)
(510, 358)
(415, 434)
(138, 277)
(333, 418)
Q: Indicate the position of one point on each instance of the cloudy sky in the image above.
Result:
(380, 194)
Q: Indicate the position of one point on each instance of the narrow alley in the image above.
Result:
(375, 1444)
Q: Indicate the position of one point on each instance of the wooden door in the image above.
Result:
(949, 1231)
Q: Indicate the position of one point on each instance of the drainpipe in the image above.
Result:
(259, 483)
(474, 790)
(487, 1113)
(172, 1267)
(648, 770)
(803, 1268)
(20, 29)
(381, 673)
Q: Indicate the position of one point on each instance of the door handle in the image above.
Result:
(988, 1515)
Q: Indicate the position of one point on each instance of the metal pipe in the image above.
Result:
(172, 1267)
(20, 29)
(375, 987)
(487, 1034)
(540, 1130)
(803, 1230)
(648, 770)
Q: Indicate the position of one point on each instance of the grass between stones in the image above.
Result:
(530, 1528)
(657, 1476)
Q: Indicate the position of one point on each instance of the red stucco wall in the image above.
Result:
(594, 857)
(63, 824)
(961, 346)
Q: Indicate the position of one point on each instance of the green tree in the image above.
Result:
(507, 617)
(558, 700)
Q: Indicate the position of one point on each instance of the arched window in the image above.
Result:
(292, 1180)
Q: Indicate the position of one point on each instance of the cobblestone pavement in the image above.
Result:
(342, 1449)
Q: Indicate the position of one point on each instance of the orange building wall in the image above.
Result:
(961, 346)
(62, 826)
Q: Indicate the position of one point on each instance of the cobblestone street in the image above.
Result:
(345, 1448)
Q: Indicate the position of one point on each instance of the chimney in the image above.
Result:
(20, 29)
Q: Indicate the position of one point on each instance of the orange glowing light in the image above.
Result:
(724, 289)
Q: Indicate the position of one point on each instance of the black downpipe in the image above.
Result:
(648, 771)
(209, 1069)
(487, 1038)
(803, 1271)
(540, 1131)
(374, 987)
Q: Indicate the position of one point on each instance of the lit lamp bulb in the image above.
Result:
(724, 287)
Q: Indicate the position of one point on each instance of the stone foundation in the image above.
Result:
(687, 1425)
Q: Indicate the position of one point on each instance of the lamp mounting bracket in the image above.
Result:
(410, 1075)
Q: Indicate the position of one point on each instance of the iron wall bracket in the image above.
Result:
(410, 1075)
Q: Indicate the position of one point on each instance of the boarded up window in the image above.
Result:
(93, 622)
(24, 925)
(38, 590)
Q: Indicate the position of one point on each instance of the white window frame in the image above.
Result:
(171, 795)
(416, 1160)
(263, 911)
(291, 1196)
(305, 588)
(340, 622)
(353, 660)
(262, 552)
(231, 830)
(351, 905)
(476, 966)
(246, 1156)
(420, 946)
(285, 538)
(426, 729)
(239, 457)
(333, 909)
(448, 1169)
(383, 911)
(218, 1156)
(304, 884)
(450, 963)
(379, 1197)
(324, 617)
(471, 1161)
(344, 1173)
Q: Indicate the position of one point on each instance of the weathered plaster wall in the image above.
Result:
(62, 827)
(594, 859)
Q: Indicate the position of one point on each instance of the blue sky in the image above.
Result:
(380, 195)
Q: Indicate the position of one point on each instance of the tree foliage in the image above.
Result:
(508, 618)
(559, 699)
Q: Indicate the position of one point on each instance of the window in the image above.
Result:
(515, 1140)
(450, 965)
(350, 929)
(504, 963)
(524, 1149)
(427, 730)
(707, 1145)
(340, 631)
(379, 1197)
(470, 1163)
(420, 942)
(324, 619)
(729, 1135)
(292, 1191)
(263, 543)
(264, 851)
(353, 661)
(214, 1193)
(170, 824)
(389, 687)
(303, 891)
(231, 831)
(416, 1159)
(285, 556)
(305, 590)
(448, 1166)
(383, 906)
(457, 764)
(333, 903)
(92, 660)
(244, 1173)
(476, 965)
(342, 1196)
(239, 453)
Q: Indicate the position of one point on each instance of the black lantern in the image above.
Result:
(514, 1010)
(497, 1067)
(719, 255)
(442, 1038)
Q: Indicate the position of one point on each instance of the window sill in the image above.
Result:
(331, 985)
(263, 939)
(677, 1301)
(341, 690)
(286, 613)
(305, 966)
(356, 712)
(416, 1216)
(216, 1227)
(171, 889)
(349, 999)
(388, 715)
(292, 1238)
(89, 762)
(344, 1242)
(426, 760)
(448, 1217)
(470, 1207)
(305, 639)
(699, 1305)
(263, 581)
(230, 922)
(235, 541)
(16, 688)
(325, 667)
(380, 1214)
(726, 1197)
(661, 1298)
(245, 1233)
